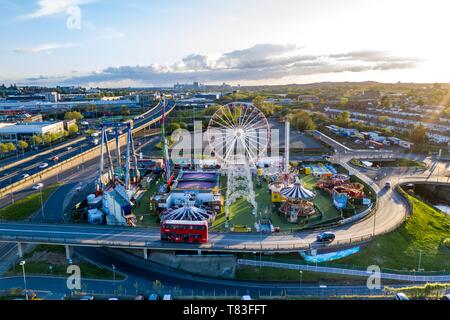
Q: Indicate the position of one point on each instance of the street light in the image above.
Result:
(301, 279)
(114, 272)
(114, 277)
(42, 204)
(22, 263)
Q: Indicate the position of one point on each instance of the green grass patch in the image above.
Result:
(24, 208)
(274, 274)
(50, 263)
(145, 216)
(423, 232)
(241, 210)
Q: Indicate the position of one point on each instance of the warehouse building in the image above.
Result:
(13, 132)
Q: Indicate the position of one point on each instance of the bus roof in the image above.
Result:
(186, 222)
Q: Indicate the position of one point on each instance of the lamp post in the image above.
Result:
(301, 279)
(22, 263)
(42, 204)
(114, 277)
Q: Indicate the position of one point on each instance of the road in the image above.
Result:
(31, 165)
(141, 274)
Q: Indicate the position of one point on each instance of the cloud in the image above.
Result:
(45, 48)
(260, 62)
(54, 7)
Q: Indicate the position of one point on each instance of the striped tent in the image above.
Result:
(186, 213)
(297, 192)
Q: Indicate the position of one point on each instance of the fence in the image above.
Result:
(349, 272)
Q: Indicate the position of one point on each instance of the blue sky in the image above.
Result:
(149, 43)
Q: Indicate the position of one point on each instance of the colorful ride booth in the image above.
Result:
(192, 190)
(297, 202)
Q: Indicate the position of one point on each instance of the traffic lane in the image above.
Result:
(88, 169)
(16, 173)
(30, 154)
(146, 272)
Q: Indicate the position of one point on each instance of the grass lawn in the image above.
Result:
(423, 231)
(241, 211)
(43, 256)
(24, 208)
(145, 217)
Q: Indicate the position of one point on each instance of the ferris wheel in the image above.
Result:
(238, 132)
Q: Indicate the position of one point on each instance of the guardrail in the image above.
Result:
(38, 154)
(350, 272)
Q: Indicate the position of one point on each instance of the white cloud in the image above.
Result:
(54, 7)
(260, 62)
(48, 47)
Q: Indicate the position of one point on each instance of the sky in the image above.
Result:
(139, 43)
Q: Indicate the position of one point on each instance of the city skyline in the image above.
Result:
(140, 44)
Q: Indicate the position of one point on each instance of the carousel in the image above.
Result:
(297, 202)
(188, 212)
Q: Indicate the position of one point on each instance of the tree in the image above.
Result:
(173, 126)
(343, 102)
(10, 147)
(3, 148)
(303, 121)
(419, 134)
(343, 119)
(47, 138)
(73, 115)
(22, 145)
(36, 140)
(386, 102)
(383, 118)
(73, 128)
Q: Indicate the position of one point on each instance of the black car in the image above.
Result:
(325, 237)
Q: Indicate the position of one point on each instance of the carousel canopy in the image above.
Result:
(189, 213)
(297, 192)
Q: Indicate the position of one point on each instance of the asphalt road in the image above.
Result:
(30, 167)
(141, 274)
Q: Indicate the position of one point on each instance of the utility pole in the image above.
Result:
(42, 204)
(22, 263)
(420, 260)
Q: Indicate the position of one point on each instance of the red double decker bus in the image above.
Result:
(179, 231)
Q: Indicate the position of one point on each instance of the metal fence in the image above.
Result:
(349, 272)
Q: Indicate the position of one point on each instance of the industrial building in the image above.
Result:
(13, 132)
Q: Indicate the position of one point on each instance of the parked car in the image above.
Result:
(167, 297)
(446, 297)
(326, 237)
(401, 296)
(246, 297)
(139, 297)
(43, 165)
(37, 186)
(87, 298)
(153, 296)
(113, 298)
(388, 184)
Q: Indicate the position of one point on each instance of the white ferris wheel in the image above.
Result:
(238, 132)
